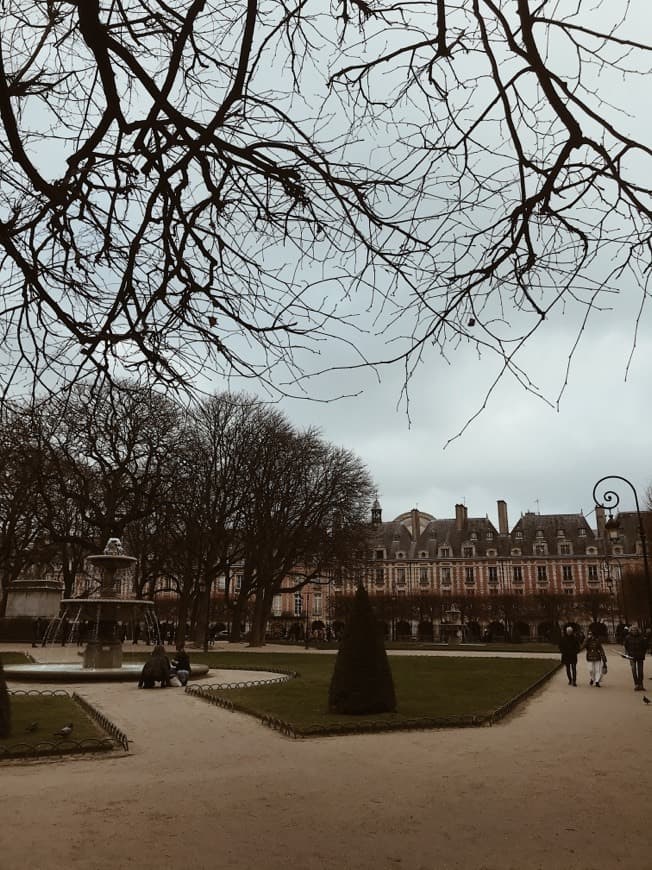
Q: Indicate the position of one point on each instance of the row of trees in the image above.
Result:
(191, 491)
(508, 610)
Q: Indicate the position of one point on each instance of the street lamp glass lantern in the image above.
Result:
(612, 528)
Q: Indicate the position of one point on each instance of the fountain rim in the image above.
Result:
(111, 557)
(128, 601)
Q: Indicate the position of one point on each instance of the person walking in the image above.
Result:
(635, 649)
(569, 647)
(596, 659)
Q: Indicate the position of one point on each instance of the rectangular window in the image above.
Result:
(423, 576)
(593, 573)
(380, 577)
(400, 576)
(568, 591)
(467, 552)
(564, 549)
(276, 605)
(517, 574)
(238, 582)
(568, 573)
(539, 549)
(542, 573)
(445, 552)
(445, 575)
(493, 574)
(316, 604)
(298, 604)
(380, 554)
(470, 576)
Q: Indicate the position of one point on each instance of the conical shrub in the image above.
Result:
(362, 679)
(5, 711)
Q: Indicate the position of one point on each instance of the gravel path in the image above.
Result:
(562, 783)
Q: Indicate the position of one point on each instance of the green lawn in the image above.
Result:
(50, 712)
(14, 658)
(431, 691)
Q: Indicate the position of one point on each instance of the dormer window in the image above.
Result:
(582, 532)
(474, 536)
(491, 553)
(560, 533)
(423, 554)
(467, 552)
(380, 554)
(444, 552)
(539, 533)
(519, 536)
(565, 550)
(490, 536)
(516, 551)
(400, 554)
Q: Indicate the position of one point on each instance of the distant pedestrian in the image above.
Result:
(635, 649)
(569, 647)
(596, 659)
(37, 630)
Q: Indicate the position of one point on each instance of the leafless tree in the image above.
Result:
(531, 177)
(19, 499)
(162, 200)
(306, 515)
(220, 186)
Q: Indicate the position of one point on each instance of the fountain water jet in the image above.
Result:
(97, 622)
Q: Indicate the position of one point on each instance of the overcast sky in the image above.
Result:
(519, 449)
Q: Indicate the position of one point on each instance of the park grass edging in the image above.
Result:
(472, 720)
(208, 694)
(116, 733)
(508, 706)
(67, 746)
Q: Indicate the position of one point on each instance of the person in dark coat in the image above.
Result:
(635, 649)
(155, 670)
(569, 647)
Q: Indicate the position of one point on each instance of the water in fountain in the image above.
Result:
(99, 622)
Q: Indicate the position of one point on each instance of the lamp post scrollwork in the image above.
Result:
(609, 499)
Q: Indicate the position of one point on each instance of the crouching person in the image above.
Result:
(155, 670)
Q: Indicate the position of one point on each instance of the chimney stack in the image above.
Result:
(503, 524)
(416, 526)
(600, 521)
(461, 514)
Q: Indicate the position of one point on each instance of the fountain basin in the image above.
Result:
(75, 672)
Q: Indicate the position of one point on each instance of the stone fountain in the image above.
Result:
(98, 622)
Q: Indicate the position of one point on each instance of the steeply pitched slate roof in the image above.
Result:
(395, 537)
(628, 529)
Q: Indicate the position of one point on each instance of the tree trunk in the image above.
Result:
(5, 708)
(258, 622)
(182, 618)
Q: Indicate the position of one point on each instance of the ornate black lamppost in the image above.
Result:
(609, 499)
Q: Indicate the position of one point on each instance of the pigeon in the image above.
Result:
(33, 726)
(66, 731)
(646, 700)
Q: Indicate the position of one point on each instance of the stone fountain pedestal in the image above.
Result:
(100, 654)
